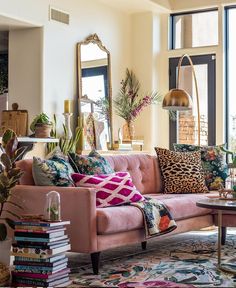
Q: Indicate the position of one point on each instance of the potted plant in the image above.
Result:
(129, 103)
(9, 177)
(66, 145)
(41, 126)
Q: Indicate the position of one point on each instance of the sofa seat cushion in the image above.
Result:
(125, 218)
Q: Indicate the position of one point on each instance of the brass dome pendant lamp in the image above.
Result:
(178, 99)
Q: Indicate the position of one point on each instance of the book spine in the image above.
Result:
(18, 238)
(41, 224)
(43, 232)
(49, 260)
(41, 246)
(30, 239)
(40, 270)
(41, 276)
(22, 223)
(34, 269)
(28, 243)
(37, 228)
(38, 253)
(30, 256)
(29, 282)
(39, 235)
(41, 264)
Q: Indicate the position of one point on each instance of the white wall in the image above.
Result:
(150, 62)
(138, 41)
(25, 69)
(59, 48)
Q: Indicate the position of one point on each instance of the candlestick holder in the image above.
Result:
(67, 125)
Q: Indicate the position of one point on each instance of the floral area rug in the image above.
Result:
(186, 261)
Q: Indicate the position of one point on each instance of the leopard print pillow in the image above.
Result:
(181, 171)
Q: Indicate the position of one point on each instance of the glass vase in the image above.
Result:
(52, 207)
(128, 131)
(230, 182)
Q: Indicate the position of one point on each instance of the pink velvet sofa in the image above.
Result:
(92, 229)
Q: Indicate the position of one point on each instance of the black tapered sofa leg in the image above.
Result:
(223, 235)
(144, 245)
(95, 262)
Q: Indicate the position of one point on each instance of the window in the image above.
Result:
(194, 29)
(230, 78)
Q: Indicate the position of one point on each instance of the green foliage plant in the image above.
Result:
(9, 177)
(232, 155)
(66, 145)
(42, 118)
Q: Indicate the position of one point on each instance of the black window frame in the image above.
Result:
(172, 28)
(226, 77)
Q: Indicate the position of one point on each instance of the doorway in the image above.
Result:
(183, 125)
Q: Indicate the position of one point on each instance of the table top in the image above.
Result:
(218, 204)
(36, 140)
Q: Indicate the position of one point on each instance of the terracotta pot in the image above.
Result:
(43, 130)
(5, 250)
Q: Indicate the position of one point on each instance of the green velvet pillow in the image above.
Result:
(213, 163)
(52, 172)
(90, 164)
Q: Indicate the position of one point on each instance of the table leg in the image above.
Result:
(219, 236)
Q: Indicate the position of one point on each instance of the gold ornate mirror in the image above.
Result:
(94, 93)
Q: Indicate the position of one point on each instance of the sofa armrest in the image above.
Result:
(77, 205)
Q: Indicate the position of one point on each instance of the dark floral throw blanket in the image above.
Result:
(157, 218)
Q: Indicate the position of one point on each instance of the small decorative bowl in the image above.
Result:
(227, 194)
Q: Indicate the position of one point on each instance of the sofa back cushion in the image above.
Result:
(143, 168)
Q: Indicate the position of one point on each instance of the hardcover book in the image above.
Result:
(30, 239)
(41, 264)
(41, 223)
(40, 235)
(41, 245)
(48, 260)
(39, 229)
(40, 270)
(37, 252)
(63, 282)
(41, 276)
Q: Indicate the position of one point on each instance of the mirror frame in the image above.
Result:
(93, 38)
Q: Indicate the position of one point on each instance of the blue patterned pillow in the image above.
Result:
(213, 163)
(90, 164)
(55, 171)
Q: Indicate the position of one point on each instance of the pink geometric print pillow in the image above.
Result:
(112, 189)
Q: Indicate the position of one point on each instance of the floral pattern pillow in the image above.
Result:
(52, 172)
(90, 164)
(213, 163)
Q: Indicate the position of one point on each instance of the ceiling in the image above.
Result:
(135, 6)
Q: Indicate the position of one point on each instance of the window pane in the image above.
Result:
(188, 121)
(195, 30)
(231, 80)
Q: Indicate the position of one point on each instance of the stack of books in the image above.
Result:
(39, 251)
